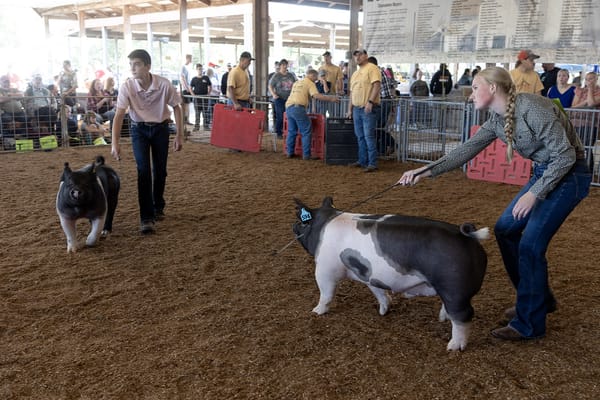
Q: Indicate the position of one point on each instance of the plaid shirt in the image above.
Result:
(388, 86)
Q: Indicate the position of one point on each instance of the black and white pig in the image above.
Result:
(397, 253)
(91, 192)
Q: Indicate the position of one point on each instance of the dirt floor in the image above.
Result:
(203, 310)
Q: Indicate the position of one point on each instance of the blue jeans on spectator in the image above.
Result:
(523, 244)
(150, 149)
(364, 129)
(279, 105)
(243, 103)
(298, 120)
(384, 139)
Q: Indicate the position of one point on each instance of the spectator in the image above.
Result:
(109, 88)
(525, 78)
(150, 116)
(91, 130)
(322, 84)
(298, 120)
(280, 87)
(238, 83)
(589, 95)
(560, 180)
(441, 82)
(201, 86)
(345, 78)
(476, 70)
(385, 143)
(67, 82)
(465, 79)
(100, 103)
(224, 80)
(562, 90)
(334, 74)
(11, 107)
(548, 77)
(186, 91)
(419, 87)
(40, 104)
(215, 91)
(364, 107)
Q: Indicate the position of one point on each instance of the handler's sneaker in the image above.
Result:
(371, 168)
(147, 227)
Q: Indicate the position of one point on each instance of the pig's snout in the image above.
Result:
(76, 194)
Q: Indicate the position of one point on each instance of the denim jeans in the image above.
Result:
(364, 129)
(279, 105)
(298, 121)
(243, 103)
(523, 244)
(150, 149)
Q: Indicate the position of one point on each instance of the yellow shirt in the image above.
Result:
(334, 73)
(361, 82)
(302, 92)
(238, 78)
(526, 82)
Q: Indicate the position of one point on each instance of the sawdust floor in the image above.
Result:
(202, 310)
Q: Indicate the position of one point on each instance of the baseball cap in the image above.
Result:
(322, 72)
(246, 54)
(359, 51)
(327, 53)
(527, 54)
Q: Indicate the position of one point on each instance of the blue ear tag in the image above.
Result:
(305, 215)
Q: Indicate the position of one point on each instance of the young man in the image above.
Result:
(201, 86)
(147, 97)
(238, 83)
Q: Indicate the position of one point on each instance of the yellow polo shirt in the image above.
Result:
(301, 92)
(361, 82)
(238, 78)
(526, 82)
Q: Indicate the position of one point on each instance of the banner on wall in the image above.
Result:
(452, 31)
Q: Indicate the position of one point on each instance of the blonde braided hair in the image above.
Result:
(501, 78)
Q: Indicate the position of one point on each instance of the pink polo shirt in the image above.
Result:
(148, 105)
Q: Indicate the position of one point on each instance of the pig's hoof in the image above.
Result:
(72, 247)
(455, 345)
(104, 234)
(320, 310)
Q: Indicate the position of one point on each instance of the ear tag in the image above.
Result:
(305, 215)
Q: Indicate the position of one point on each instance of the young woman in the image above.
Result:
(563, 91)
(536, 128)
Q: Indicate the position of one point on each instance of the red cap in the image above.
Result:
(525, 54)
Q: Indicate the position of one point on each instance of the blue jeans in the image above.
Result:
(298, 121)
(364, 129)
(523, 245)
(279, 105)
(243, 103)
(150, 149)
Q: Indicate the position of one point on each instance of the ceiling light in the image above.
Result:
(315, 35)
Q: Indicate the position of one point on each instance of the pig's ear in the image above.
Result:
(66, 172)
(299, 203)
(327, 202)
